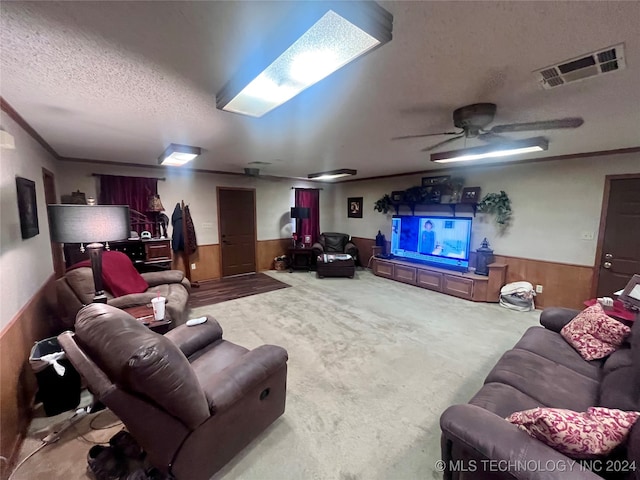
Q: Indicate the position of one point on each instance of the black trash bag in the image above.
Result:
(58, 382)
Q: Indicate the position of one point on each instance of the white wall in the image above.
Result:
(274, 197)
(25, 265)
(553, 203)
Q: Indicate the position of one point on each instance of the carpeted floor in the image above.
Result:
(372, 364)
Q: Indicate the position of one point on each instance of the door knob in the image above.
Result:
(607, 265)
(608, 256)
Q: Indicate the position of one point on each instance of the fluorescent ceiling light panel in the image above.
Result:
(333, 174)
(329, 44)
(177, 155)
(537, 144)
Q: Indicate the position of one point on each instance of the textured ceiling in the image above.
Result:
(118, 81)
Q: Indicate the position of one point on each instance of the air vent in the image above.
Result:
(592, 64)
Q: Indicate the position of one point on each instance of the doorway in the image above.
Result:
(50, 197)
(618, 252)
(237, 228)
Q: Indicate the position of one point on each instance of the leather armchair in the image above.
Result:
(331, 242)
(76, 289)
(191, 399)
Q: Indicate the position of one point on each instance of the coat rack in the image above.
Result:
(185, 253)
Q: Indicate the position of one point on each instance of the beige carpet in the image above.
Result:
(372, 364)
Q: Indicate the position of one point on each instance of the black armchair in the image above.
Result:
(331, 242)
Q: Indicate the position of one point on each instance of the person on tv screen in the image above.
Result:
(427, 238)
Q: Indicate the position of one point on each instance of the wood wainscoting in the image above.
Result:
(207, 258)
(565, 285)
(35, 321)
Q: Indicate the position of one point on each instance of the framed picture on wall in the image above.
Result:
(470, 195)
(354, 207)
(27, 207)
(439, 180)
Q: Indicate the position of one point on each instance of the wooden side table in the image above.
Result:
(300, 259)
(144, 314)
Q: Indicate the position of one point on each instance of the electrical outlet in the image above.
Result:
(193, 266)
(539, 288)
(587, 236)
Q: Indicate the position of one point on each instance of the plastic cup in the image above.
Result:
(158, 308)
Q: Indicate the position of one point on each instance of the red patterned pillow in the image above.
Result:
(593, 433)
(594, 334)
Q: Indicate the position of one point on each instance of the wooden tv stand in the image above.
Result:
(478, 288)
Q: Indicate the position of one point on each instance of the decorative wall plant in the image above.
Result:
(383, 204)
(497, 204)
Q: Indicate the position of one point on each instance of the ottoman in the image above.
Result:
(339, 265)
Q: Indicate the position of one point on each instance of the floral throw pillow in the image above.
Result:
(594, 334)
(589, 434)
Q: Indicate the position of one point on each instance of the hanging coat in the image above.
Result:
(190, 234)
(177, 238)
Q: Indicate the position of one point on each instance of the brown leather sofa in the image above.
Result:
(191, 399)
(331, 242)
(76, 289)
(542, 370)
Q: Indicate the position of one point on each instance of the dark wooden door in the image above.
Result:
(237, 219)
(50, 198)
(619, 249)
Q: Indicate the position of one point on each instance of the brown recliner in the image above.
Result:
(331, 242)
(76, 289)
(191, 399)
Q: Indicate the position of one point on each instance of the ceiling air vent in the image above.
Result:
(592, 64)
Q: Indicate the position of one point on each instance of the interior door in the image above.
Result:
(50, 198)
(237, 220)
(619, 245)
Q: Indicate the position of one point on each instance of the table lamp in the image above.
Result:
(90, 224)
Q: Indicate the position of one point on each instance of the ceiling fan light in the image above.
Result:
(537, 144)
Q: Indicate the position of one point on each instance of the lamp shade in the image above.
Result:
(300, 212)
(155, 204)
(88, 223)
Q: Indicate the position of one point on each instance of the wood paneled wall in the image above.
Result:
(207, 258)
(35, 321)
(270, 249)
(564, 285)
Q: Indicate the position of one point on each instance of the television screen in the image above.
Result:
(438, 241)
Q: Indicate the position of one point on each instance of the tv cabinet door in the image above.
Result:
(429, 279)
(403, 273)
(458, 286)
(383, 269)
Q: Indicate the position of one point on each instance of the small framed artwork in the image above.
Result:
(307, 239)
(354, 207)
(397, 196)
(439, 180)
(470, 195)
(27, 207)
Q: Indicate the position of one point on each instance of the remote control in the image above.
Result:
(196, 321)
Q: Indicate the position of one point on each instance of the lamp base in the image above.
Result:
(95, 254)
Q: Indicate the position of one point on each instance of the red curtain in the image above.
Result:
(132, 191)
(309, 198)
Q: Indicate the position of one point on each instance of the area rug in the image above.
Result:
(372, 365)
(231, 288)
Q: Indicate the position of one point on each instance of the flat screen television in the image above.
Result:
(438, 241)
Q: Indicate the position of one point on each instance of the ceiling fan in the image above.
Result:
(473, 119)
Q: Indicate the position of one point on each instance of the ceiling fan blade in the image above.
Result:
(404, 137)
(571, 122)
(488, 136)
(448, 140)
